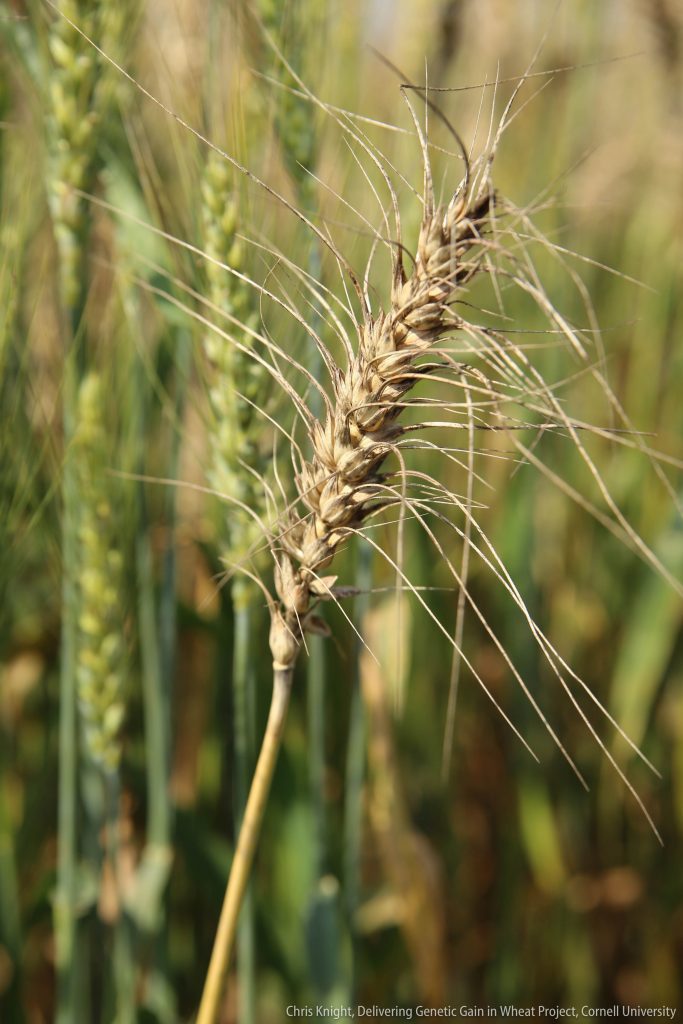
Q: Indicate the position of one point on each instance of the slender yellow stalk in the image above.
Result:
(246, 846)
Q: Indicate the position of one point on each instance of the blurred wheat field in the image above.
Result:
(135, 675)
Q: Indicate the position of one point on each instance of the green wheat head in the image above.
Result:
(238, 384)
(81, 87)
(100, 659)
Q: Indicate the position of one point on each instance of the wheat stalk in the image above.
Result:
(343, 483)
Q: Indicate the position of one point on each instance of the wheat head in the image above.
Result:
(343, 481)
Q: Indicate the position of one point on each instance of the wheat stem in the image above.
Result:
(246, 845)
(65, 894)
(242, 689)
(356, 763)
(338, 487)
(317, 662)
(10, 910)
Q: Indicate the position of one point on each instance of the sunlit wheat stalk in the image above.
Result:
(344, 482)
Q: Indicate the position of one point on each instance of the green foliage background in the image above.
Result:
(519, 886)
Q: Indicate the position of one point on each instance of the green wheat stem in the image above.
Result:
(149, 914)
(10, 909)
(155, 693)
(243, 718)
(143, 928)
(123, 956)
(158, 701)
(316, 673)
(124, 971)
(356, 759)
(315, 677)
(156, 657)
(66, 896)
(154, 704)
